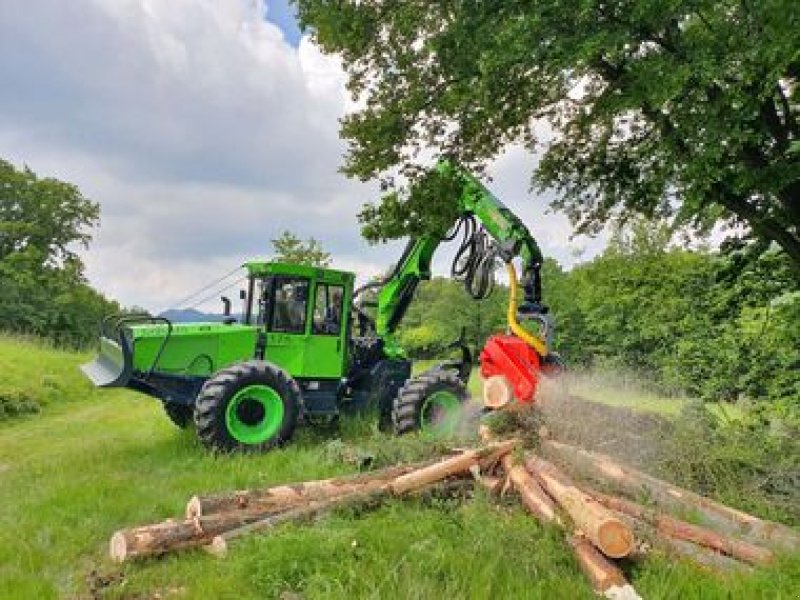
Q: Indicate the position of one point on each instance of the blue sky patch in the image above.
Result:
(282, 14)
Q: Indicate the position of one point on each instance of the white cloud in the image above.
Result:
(202, 134)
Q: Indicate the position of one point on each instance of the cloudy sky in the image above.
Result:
(203, 128)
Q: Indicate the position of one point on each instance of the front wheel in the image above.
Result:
(251, 406)
(431, 402)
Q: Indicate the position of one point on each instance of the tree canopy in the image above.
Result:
(291, 249)
(42, 288)
(43, 219)
(685, 109)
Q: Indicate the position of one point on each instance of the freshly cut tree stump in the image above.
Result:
(681, 530)
(605, 470)
(284, 496)
(608, 533)
(604, 576)
(457, 465)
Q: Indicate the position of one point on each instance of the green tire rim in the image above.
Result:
(254, 414)
(440, 413)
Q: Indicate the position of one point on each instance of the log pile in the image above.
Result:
(602, 529)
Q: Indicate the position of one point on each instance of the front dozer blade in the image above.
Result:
(112, 367)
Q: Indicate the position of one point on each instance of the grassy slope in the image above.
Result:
(95, 461)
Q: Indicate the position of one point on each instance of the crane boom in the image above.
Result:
(512, 238)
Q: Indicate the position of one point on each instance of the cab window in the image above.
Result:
(289, 309)
(328, 309)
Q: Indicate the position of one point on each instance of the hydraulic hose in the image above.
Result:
(532, 340)
(474, 262)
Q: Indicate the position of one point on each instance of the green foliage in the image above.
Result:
(15, 402)
(42, 219)
(291, 249)
(681, 109)
(441, 308)
(41, 277)
(752, 461)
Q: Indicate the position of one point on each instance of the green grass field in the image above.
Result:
(95, 461)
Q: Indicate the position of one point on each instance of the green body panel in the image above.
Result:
(192, 348)
(204, 348)
(307, 354)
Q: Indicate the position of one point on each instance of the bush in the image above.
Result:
(752, 462)
(15, 402)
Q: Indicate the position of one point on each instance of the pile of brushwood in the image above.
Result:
(633, 514)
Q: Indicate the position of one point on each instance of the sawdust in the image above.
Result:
(636, 438)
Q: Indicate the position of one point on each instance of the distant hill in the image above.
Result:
(190, 315)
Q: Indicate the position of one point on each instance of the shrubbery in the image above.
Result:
(751, 461)
(15, 402)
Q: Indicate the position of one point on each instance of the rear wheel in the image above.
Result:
(251, 406)
(430, 402)
(179, 414)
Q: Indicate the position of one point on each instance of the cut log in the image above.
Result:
(634, 483)
(285, 496)
(649, 538)
(152, 540)
(218, 544)
(604, 576)
(457, 465)
(535, 499)
(703, 557)
(491, 484)
(611, 536)
(681, 530)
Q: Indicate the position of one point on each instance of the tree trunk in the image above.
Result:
(152, 540)
(634, 483)
(219, 544)
(604, 576)
(530, 492)
(457, 465)
(283, 496)
(682, 530)
(611, 536)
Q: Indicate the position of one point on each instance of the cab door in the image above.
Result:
(325, 353)
(286, 318)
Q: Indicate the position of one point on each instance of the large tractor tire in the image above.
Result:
(251, 407)
(431, 402)
(179, 414)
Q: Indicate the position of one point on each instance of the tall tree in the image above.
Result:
(42, 217)
(687, 109)
(290, 248)
(42, 288)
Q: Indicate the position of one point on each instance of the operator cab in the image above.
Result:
(303, 314)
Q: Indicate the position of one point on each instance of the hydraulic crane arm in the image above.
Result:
(512, 239)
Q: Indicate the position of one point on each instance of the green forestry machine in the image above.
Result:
(306, 349)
